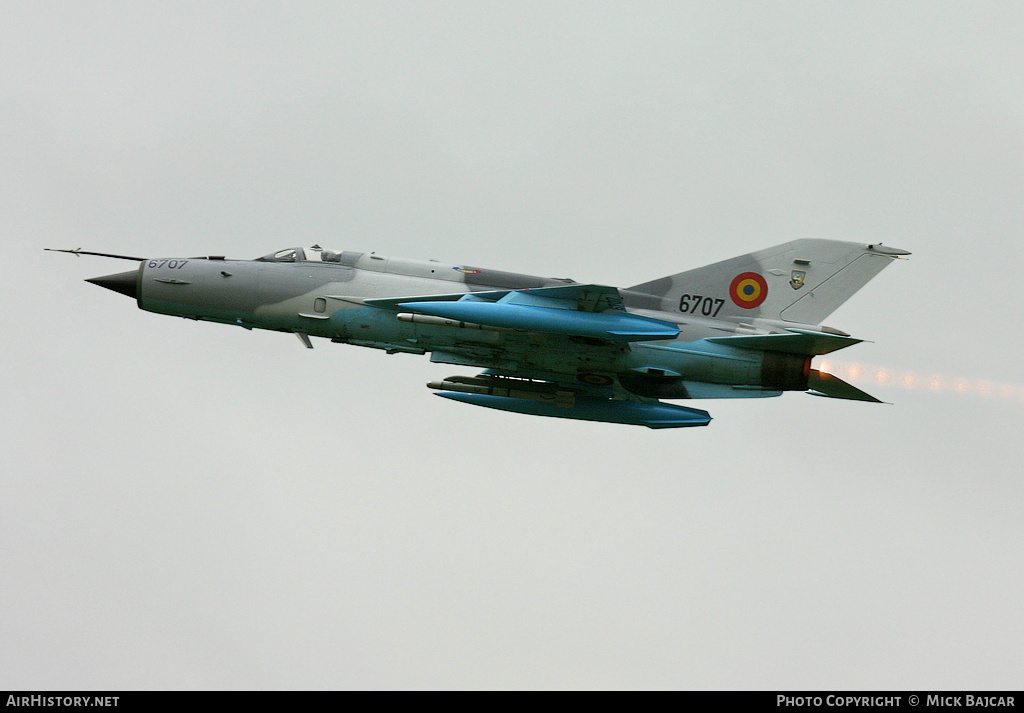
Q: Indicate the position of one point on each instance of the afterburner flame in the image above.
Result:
(906, 379)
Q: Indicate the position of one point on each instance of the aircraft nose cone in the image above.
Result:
(124, 282)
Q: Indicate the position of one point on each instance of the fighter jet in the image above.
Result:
(747, 327)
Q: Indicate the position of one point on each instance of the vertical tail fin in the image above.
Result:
(803, 281)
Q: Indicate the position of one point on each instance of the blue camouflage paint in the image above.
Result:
(636, 413)
(616, 326)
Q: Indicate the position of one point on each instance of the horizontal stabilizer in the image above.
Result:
(638, 413)
(798, 341)
(614, 326)
(824, 384)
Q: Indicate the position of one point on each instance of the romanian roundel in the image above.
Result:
(748, 290)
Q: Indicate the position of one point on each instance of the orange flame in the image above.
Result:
(906, 379)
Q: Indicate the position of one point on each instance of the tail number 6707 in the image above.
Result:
(699, 304)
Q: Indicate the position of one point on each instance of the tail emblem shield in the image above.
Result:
(796, 279)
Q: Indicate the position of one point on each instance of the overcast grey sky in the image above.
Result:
(189, 505)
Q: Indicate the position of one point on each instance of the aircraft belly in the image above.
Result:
(551, 365)
(699, 360)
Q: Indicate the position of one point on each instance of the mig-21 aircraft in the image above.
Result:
(742, 328)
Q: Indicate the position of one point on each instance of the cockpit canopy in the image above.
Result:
(311, 254)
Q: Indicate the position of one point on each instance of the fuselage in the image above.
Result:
(318, 293)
